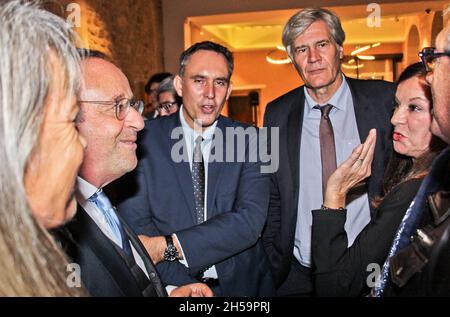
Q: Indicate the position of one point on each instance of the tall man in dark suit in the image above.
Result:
(199, 210)
(112, 260)
(320, 123)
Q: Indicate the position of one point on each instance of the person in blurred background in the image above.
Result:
(168, 99)
(150, 89)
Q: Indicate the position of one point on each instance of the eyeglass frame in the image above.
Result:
(428, 55)
(137, 105)
(166, 106)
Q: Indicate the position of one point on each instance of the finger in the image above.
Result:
(370, 140)
(353, 158)
(367, 162)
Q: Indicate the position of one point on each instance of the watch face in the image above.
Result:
(171, 253)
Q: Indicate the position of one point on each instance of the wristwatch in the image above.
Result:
(171, 252)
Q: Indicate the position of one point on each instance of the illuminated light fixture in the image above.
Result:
(353, 66)
(364, 48)
(359, 50)
(351, 61)
(278, 61)
(366, 57)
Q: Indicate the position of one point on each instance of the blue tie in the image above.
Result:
(413, 215)
(104, 205)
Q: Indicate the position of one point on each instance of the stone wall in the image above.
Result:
(129, 31)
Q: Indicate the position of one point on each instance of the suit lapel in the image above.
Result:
(362, 110)
(182, 169)
(294, 132)
(140, 249)
(104, 250)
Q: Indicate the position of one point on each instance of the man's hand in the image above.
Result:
(192, 290)
(156, 246)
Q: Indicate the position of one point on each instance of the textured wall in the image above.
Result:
(129, 31)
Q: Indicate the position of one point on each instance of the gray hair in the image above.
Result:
(31, 262)
(300, 21)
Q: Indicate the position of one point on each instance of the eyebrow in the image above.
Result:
(420, 98)
(315, 43)
(205, 77)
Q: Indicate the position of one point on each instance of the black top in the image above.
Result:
(342, 271)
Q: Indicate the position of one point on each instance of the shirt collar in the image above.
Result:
(207, 134)
(84, 189)
(335, 100)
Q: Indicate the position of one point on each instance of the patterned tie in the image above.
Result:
(327, 147)
(413, 215)
(104, 205)
(198, 179)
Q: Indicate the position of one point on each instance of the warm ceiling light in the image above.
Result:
(281, 48)
(351, 61)
(278, 61)
(353, 66)
(376, 44)
(359, 50)
(366, 57)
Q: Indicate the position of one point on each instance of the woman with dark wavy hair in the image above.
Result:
(342, 270)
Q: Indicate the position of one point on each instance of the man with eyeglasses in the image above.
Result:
(422, 268)
(112, 260)
(168, 99)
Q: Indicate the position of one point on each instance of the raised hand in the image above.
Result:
(350, 173)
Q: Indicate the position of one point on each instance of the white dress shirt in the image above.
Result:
(190, 136)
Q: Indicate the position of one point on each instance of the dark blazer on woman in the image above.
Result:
(342, 271)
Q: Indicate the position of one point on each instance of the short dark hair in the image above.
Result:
(155, 78)
(207, 46)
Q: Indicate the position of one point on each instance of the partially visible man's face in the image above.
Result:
(167, 103)
(439, 80)
(111, 143)
(53, 165)
(204, 87)
(317, 57)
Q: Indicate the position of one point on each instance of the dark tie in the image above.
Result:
(413, 215)
(327, 147)
(104, 205)
(198, 179)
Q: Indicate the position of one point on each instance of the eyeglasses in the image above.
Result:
(121, 106)
(166, 106)
(428, 57)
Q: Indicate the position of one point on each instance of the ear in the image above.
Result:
(177, 83)
(341, 52)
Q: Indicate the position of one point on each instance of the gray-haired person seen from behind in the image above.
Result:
(41, 149)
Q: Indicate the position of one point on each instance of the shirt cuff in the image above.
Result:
(184, 260)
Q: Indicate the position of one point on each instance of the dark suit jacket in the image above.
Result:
(105, 269)
(342, 271)
(372, 101)
(159, 200)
